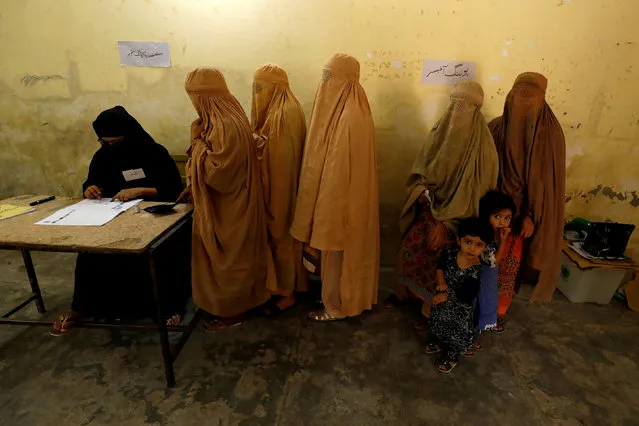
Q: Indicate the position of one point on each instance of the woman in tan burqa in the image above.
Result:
(337, 208)
(279, 128)
(454, 168)
(532, 170)
(229, 224)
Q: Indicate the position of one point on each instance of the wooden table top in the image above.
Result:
(129, 233)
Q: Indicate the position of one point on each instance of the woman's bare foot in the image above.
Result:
(323, 316)
(286, 302)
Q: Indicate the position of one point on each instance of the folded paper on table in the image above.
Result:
(9, 210)
(89, 213)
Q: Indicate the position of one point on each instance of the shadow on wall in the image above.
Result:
(399, 134)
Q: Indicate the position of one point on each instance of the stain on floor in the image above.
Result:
(556, 364)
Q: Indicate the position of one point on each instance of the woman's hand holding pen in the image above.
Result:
(93, 193)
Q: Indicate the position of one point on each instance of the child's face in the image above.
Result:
(501, 219)
(471, 246)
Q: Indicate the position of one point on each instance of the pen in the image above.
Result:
(44, 200)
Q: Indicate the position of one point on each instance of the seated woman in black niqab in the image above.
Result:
(129, 165)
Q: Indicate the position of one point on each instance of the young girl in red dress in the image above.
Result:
(499, 209)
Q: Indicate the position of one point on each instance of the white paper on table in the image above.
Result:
(442, 72)
(144, 54)
(88, 213)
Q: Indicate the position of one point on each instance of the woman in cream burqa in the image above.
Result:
(532, 171)
(229, 227)
(337, 209)
(279, 128)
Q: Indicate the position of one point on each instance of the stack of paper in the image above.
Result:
(8, 210)
(578, 247)
(88, 213)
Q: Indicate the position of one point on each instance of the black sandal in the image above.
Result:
(447, 366)
(432, 348)
(501, 326)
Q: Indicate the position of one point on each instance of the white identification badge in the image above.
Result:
(133, 174)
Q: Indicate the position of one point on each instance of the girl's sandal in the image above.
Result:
(501, 326)
(476, 346)
(469, 353)
(63, 324)
(323, 316)
(432, 348)
(447, 366)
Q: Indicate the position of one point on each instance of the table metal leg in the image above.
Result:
(161, 324)
(33, 280)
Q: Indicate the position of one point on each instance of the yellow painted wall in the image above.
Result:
(587, 48)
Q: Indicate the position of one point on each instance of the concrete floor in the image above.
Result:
(558, 364)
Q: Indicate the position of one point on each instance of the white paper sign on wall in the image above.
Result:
(436, 71)
(144, 54)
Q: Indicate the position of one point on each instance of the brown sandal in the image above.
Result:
(174, 321)
(64, 323)
(220, 324)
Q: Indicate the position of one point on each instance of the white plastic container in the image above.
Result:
(595, 285)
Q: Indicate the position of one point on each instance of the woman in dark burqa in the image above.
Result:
(129, 165)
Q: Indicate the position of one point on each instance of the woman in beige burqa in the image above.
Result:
(455, 167)
(279, 128)
(229, 224)
(337, 210)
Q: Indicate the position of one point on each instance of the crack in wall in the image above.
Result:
(632, 197)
